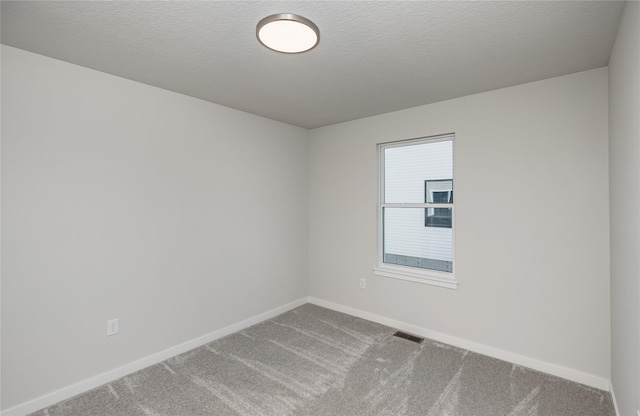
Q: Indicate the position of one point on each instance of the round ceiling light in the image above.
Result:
(288, 33)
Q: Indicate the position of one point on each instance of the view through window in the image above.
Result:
(416, 206)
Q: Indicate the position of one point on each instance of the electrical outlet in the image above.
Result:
(363, 283)
(112, 327)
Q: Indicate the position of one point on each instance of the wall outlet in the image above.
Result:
(112, 327)
(363, 283)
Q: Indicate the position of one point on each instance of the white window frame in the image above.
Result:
(412, 274)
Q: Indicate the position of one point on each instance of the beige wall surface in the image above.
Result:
(531, 249)
(121, 200)
(624, 171)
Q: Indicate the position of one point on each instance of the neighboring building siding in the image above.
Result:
(406, 170)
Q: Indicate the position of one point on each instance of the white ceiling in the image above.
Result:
(373, 57)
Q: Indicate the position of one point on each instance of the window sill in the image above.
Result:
(417, 277)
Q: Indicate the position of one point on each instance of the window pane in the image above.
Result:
(406, 168)
(437, 217)
(407, 242)
(439, 191)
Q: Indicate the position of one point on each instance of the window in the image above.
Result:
(439, 191)
(416, 210)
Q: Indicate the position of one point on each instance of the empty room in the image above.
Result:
(320, 208)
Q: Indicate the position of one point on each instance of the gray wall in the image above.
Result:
(624, 182)
(177, 216)
(532, 255)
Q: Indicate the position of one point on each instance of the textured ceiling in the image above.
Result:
(373, 57)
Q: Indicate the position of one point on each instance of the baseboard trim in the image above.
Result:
(109, 376)
(545, 367)
(613, 399)
(615, 402)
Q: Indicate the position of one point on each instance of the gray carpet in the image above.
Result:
(313, 361)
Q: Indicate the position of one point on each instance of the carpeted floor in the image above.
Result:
(313, 361)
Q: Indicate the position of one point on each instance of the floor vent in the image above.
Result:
(408, 337)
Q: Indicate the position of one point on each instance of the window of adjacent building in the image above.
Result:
(416, 210)
(439, 191)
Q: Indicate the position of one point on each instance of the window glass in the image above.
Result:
(407, 242)
(416, 210)
(407, 167)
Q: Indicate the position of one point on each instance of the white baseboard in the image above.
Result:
(545, 367)
(613, 399)
(93, 382)
(615, 402)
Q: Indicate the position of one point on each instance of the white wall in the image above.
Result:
(532, 260)
(177, 216)
(624, 182)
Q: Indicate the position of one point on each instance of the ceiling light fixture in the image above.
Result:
(288, 33)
